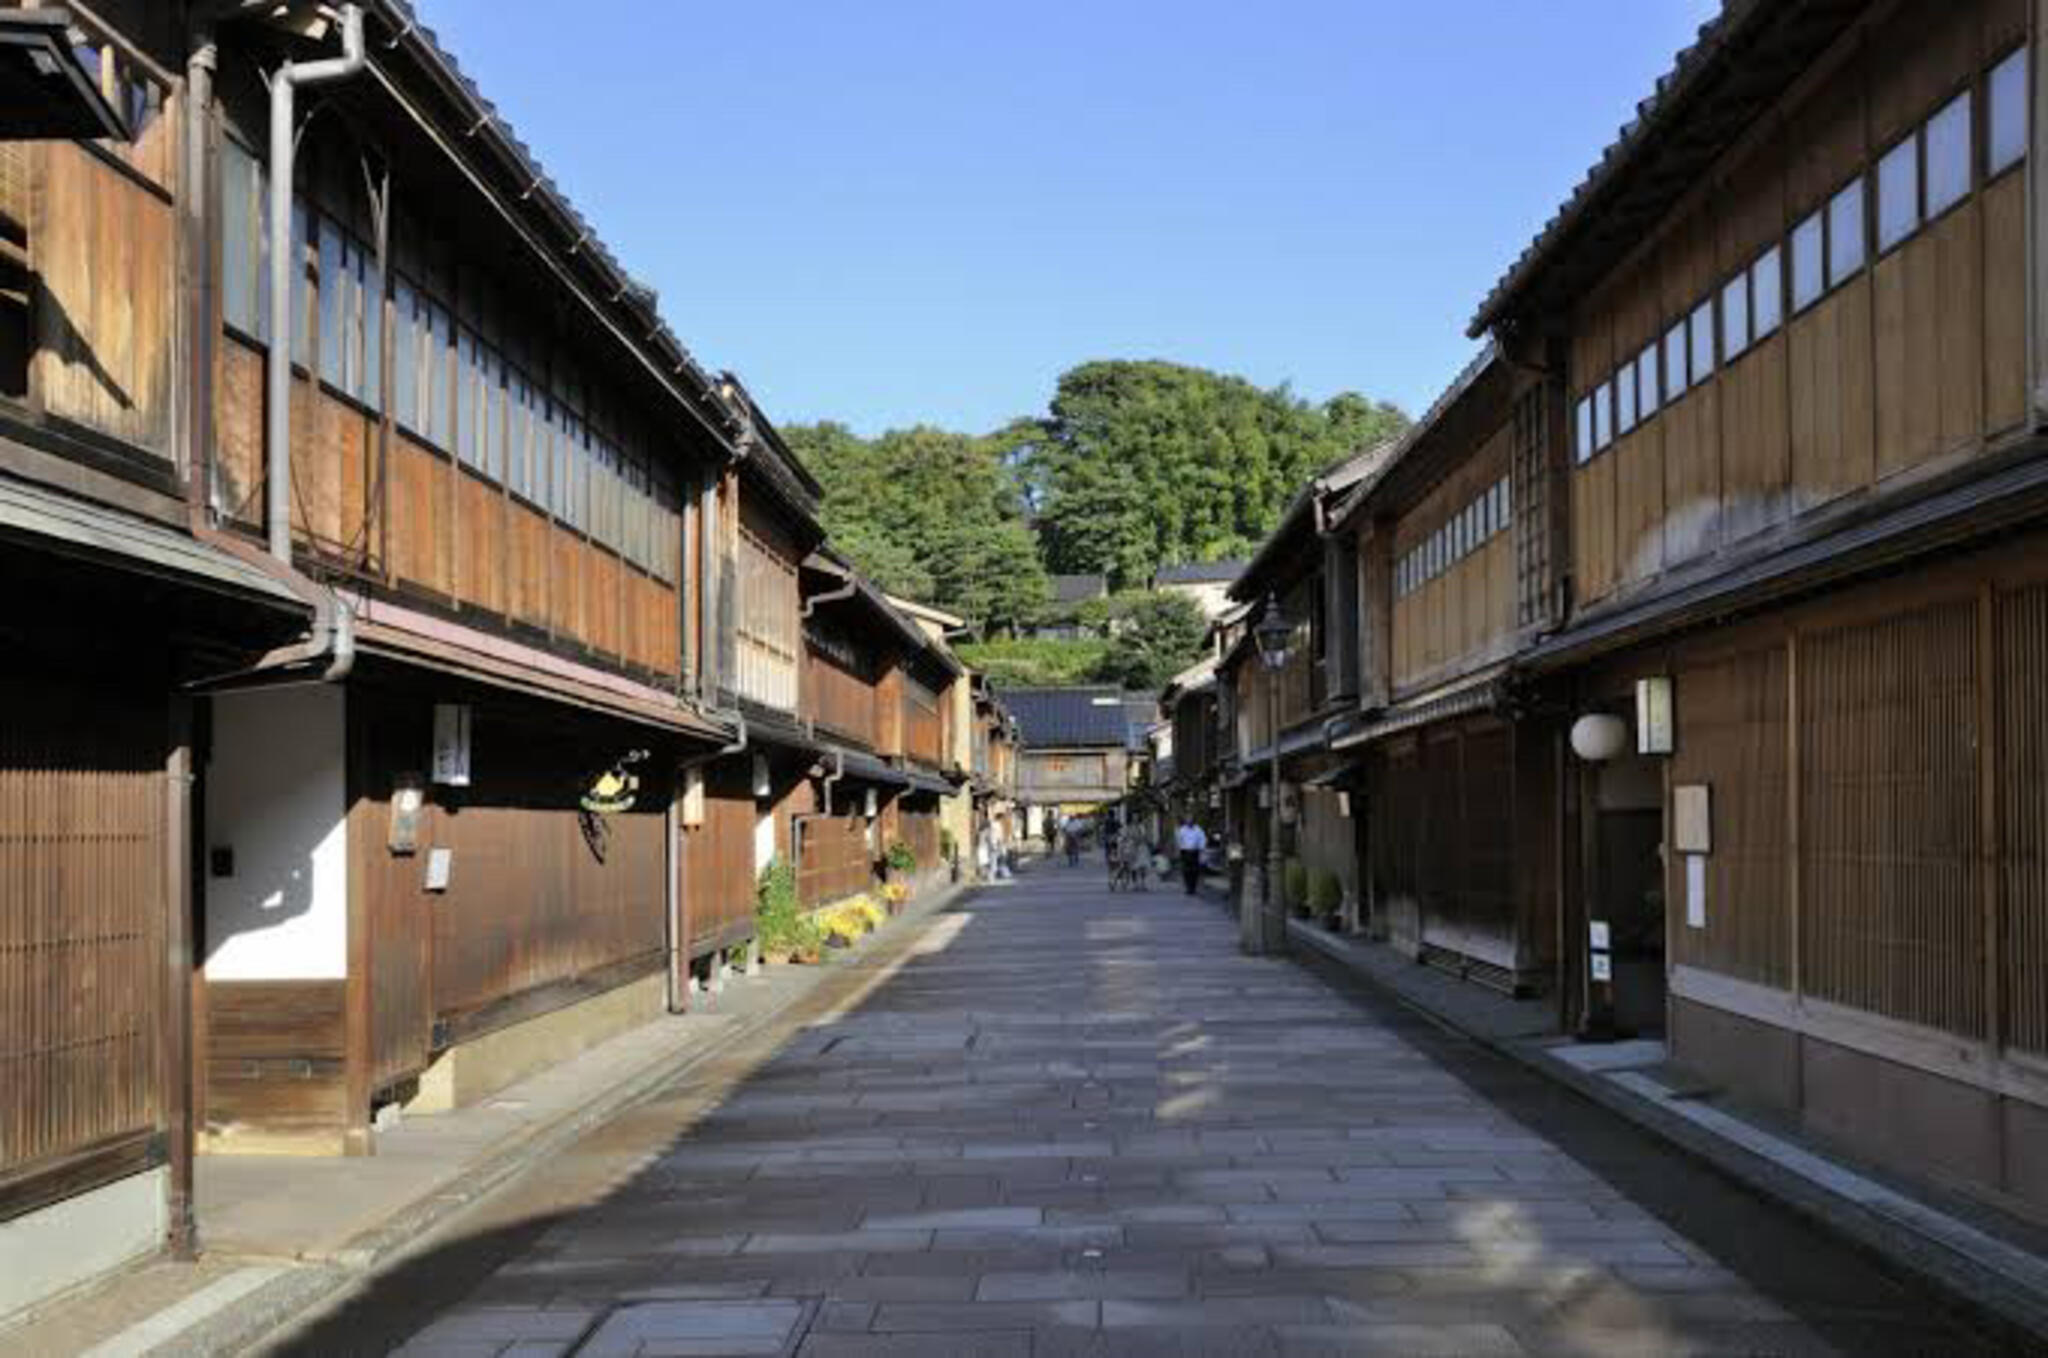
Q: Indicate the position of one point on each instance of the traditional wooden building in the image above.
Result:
(1452, 534)
(1795, 321)
(1308, 577)
(1074, 753)
(347, 675)
(992, 771)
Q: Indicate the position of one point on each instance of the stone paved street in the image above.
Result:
(1082, 1123)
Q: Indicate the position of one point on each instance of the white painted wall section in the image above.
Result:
(276, 801)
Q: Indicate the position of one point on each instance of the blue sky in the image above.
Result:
(904, 211)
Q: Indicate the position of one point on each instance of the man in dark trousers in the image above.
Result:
(1191, 840)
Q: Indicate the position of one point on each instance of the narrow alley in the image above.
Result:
(1057, 1120)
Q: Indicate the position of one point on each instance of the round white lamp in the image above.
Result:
(1599, 737)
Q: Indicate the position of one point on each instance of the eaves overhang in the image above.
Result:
(1743, 60)
(45, 94)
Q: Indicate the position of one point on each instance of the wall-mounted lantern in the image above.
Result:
(1655, 731)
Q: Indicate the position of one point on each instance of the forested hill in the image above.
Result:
(1134, 465)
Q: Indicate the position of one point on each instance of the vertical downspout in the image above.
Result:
(709, 641)
(284, 83)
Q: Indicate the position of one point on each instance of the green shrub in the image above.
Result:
(900, 857)
(1034, 660)
(779, 924)
(1325, 892)
(1294, 882)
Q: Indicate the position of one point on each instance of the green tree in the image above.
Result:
(1144, 464)
(931, 515)
(1153, 637)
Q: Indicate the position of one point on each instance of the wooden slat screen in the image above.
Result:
(1892, 912)
(1731, 736)
(834, 860)
(919, 829)
(838, 696)
(82, 903)
(767, 632)
(923, 738)
(1534, 594)
(2022, 750)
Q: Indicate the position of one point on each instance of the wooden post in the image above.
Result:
(357, 1056)
(176, 1072)
(1989, 849)
(2037, 220)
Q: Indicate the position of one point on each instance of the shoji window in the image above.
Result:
(1948, 156)
(1898, 193)
(1735, 316)
(1675, 370)
(1647, 386)
(1702, 324)
(1808, 279)
(1845, 233)
(1767, 291)
(2005, 138)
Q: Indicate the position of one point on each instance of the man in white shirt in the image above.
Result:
(1191, 840)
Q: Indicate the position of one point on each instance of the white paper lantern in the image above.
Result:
(1599, 737)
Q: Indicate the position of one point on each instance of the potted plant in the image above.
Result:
(1325, 898)
(899, 860)
(1294, 886)
(779, 925)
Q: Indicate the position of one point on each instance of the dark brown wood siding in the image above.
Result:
(719, 879)
(82, 901)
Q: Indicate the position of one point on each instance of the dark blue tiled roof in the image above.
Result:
(1055, 718)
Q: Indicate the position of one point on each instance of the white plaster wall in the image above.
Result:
(764, 840)
(73, 1241)
(275, 795)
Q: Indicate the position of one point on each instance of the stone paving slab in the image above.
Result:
(1076, 1123)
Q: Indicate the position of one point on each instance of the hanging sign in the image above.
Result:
(451, 744)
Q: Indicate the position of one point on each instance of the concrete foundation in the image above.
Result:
(475, 1070)
(74, 1241)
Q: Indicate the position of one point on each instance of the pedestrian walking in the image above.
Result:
(1192, 841)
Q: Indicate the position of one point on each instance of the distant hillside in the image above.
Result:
(1133, 466)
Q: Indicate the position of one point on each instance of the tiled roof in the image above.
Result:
(1713, 88)
(1056, 718)
(1199, 573)
(1073, 589)
(574, 232)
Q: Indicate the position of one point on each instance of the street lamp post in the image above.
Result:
(1274, 634)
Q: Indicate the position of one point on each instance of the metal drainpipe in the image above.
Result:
(707, 589)
(845, 591)
(284, 83)
(331, 634)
